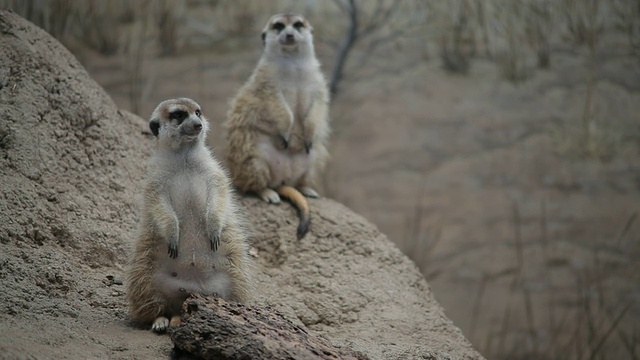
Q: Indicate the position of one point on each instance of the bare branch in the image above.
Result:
(346, 46)
(381, 41)
(380, 18)
(378, 28)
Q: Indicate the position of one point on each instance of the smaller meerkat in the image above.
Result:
(278, 125)
(190, 237)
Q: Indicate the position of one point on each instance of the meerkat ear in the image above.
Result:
(154, 126)
(263, 36)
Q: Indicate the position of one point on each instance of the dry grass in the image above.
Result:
(457, 36)
(590, 328)
(627, 20)
(592, 139)
(584, 21)
(170, 15)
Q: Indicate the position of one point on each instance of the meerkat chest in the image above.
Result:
(298, 101)
(188, 191)
(297, 90)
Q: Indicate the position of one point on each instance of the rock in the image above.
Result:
(71, 166)
(212, 328)
(345, 280)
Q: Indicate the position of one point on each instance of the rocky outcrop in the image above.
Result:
(71, 164)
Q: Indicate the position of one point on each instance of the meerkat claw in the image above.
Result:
(160, 324)
(285, 142)
(215, 242)
(270, 196)
(173, 250)
(307, 146)
(309, 192)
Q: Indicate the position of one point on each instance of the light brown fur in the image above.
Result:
(190, 237)
(278, 125)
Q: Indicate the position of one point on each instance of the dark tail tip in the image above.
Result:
(303, 227)
(300, 203)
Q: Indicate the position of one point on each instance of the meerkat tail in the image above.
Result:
(299, 201)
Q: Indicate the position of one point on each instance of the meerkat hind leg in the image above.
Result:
(160, 324)
(309, 192)
(270, 196)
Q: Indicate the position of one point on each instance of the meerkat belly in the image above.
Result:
(197, 269)
(286, 168)
(192, 273)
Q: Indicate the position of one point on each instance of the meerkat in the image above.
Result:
(278, 124)
(190, 237)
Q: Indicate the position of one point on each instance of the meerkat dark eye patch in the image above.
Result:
(198, 113)
(154, 126)
(178, 115)
(278, 26)
(298, 25)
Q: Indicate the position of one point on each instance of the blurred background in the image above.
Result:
(495, 142)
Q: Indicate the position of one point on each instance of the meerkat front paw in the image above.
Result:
(270, 196)
(160, 324)
(284, 141)
(214, 229)
(214, 239)
(309, 192)
(173, 248)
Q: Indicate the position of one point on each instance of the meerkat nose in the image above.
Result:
(198, 127)
(289, 36)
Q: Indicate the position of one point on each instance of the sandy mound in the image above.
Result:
(71, 165)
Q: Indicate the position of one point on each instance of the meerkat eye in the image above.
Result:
(278, 26)
(178, 115)
(298, 25)
(198, 113)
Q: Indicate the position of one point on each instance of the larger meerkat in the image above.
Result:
(190, 237)
(278, 122)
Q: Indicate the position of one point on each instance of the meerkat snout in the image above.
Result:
(192, 127)
(289, 36)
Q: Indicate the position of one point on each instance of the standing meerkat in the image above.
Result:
(278, 124)
(190, 237)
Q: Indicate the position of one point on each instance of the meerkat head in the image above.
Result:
(178, 121)
(288, 32)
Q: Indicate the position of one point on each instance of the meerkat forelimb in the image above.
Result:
(278, 125)
(190, 237)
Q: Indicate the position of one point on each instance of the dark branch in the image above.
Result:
(346, 46)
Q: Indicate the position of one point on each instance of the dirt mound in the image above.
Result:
(71, 165)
